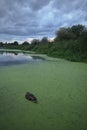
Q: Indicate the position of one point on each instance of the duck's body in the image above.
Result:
(31, 97)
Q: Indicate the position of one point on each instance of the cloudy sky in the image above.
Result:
(24, 19)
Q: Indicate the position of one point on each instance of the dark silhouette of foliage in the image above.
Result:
(1, 44)
(78, 30)
(25, 43)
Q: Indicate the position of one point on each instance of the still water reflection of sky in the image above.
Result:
(16, 58)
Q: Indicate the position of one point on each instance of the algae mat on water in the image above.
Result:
(60, 87)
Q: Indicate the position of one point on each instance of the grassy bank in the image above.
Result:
(60, 87)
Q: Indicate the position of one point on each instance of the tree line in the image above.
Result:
(69, 43)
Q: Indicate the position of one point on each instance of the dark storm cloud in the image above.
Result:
(32, 18)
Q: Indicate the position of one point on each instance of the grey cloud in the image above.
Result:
(33, 18)
(37, 5)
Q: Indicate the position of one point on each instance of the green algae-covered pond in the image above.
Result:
(60, 87)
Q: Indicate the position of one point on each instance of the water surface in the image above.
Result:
(7, 58)
(61, 90)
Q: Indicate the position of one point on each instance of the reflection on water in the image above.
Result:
(7, 58)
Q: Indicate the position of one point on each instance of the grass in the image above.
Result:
(60, 87)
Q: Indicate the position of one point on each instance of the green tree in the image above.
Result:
(25, 43)
(44, 40)
(64, 34)
(78, 30)
(35, 42)
(1, 44)
(15, 43)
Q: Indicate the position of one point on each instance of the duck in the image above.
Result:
(29, 96)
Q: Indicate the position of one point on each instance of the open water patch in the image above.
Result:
(7, 58)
